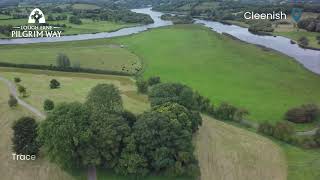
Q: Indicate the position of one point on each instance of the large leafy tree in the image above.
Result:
(25, 136)
(67, 138)
(104, 98)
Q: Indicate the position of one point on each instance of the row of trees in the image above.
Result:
(304, 114)
(310, 24)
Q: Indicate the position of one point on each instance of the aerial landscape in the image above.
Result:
(160, 89)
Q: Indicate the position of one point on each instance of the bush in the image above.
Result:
(48, 105)
(303, 114)
(283, 131)
(153, 80)
(75, 20)
(22, 90)
(12, 102)
(54, 84)
(142, 86)
(25, 136)
(225, 112)
(317, 137)
(17, 80)
(303, 41)
(266, 128)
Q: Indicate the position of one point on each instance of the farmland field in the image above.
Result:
(264, 82)
(99, 56)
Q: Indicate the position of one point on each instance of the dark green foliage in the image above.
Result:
(225, 112)
(63, 61)
(203, 104)
(261, 26)
(142, 86)
(154, 80)
(165, 143)
(22, 90)
(129, 117)
(171, 92)
(283, 131)
(64, 69)
(12, 102)
(104, 98)
(48, 105)
(54, 84)
(67, 138)
(303, 41)
(303, 114)
(266, 128)
(190, 120)
(75, 20)
(25, 136)
(310, 24)
(17, 80)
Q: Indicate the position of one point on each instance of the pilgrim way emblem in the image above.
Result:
(296, 14)
(36, 16)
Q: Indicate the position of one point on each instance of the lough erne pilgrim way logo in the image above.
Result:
(36, 16)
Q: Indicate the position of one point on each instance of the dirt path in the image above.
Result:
(13, 91)
(226, 152)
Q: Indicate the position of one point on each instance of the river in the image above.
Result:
(307, 57)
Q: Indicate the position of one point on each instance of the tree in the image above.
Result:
(172, 92)
(17, 80)
(142, 86)
(25, 136)
(129, 117)
(163, 141)
(12, 102)
(54, 84)
(266, 128)
(104, 98)
(283, 131)
(67, 137)
(63, 61)
(153, 80)
(48, 105)
(22, 90)
(303, 114)
(75, 20)
(225, 112)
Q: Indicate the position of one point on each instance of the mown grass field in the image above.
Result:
(226, 152)
(95, 56)
(81, 6)
(264, 82)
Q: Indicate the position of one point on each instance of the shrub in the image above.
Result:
(266, 128)
(283, 131)
(54, 84)
(303, 41)
(48, 105)
(225, 112)
(153, 80)
(17, 80)
(142, 86)
(75, 20)
(22, 90)
(12, 102)
(25, 136)
(317, 137)
(303, 114)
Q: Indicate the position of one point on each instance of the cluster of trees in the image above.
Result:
(143, 85)
(260, 26)
(101, 133)
(304, 114)
(310, 24)
(75, 20)
(178, 19)
(57, 18)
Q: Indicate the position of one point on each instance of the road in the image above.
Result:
(13, 91)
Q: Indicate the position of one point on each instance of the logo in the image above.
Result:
(296, 14)
(37, 27)
(36, 16)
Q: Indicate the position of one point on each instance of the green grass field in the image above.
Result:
(2, 16)
(95, 56)
(264, 82)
